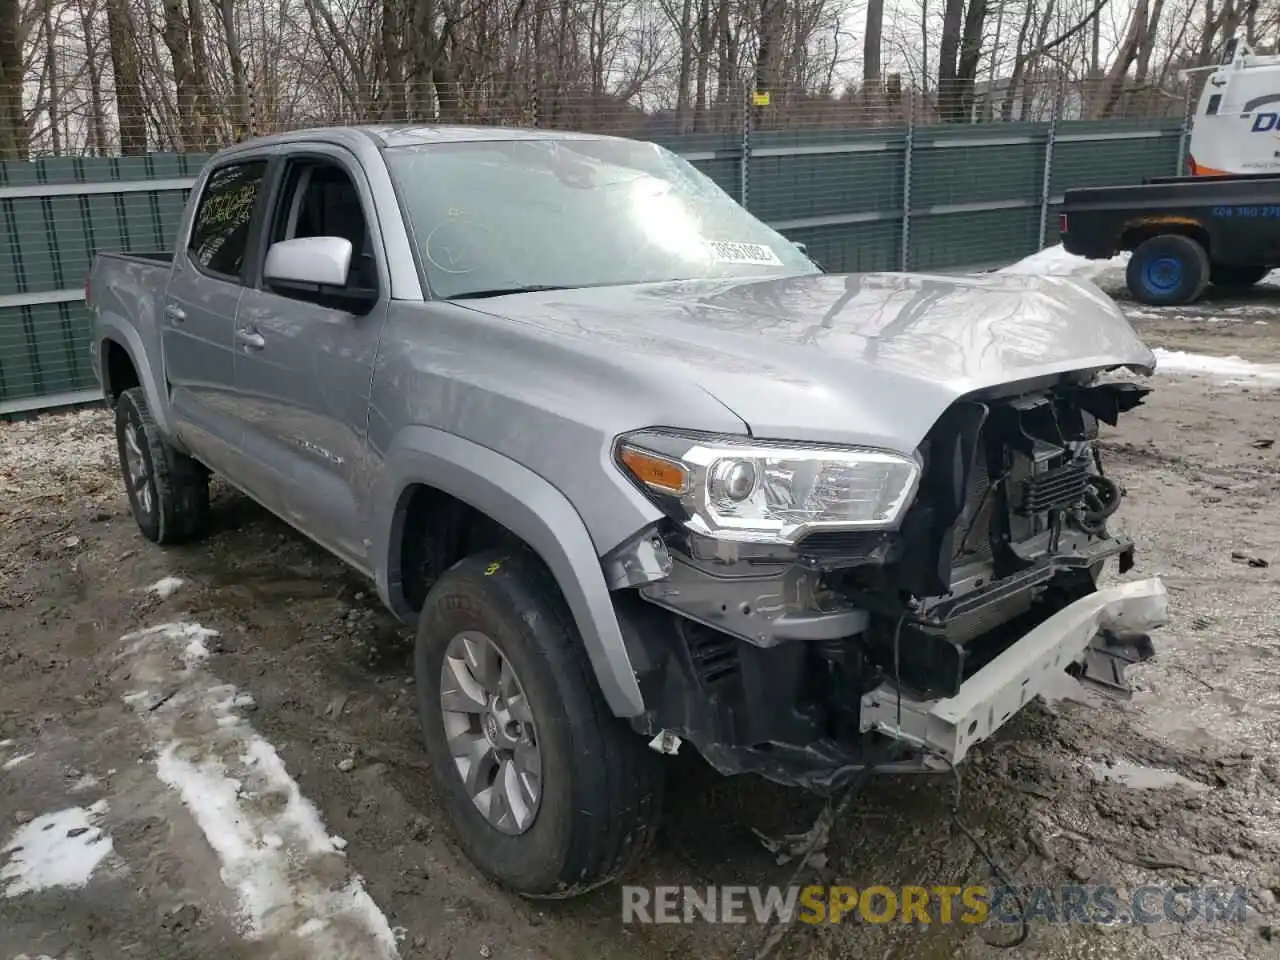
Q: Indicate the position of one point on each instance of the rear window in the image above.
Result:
(220, 232)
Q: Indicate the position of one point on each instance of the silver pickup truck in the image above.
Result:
(636, 469)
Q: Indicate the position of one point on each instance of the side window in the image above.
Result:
(1214, 102)
(320, 200)
(220, 232)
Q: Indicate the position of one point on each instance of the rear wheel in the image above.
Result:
(1168, 270)
(168, 491)
(1221, 275)
(549, 794)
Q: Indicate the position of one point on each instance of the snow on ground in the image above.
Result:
(276, 855)
(165, 587)
(1233, 369)
(60, 849)
(1056, 262)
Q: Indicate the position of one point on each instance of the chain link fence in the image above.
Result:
(866, 183)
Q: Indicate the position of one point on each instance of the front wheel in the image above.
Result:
(549, 794)
(1168, 270)
(1222, 275)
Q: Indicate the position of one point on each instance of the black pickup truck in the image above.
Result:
(1184, 232)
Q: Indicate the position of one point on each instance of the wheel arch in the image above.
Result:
(1137, 232)
(528, 507)
(119, 344)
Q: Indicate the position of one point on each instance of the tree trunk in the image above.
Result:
(55, 80)
(948, 61)
(239, 80)
(131, 107)
(1135, 36)
(967, 67)
(705, 46)
(770, 36)
(872, 42)
(177, 38)
(202, 108)
(684, 78)
(97, 119)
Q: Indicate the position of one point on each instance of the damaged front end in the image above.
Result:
(949, 590)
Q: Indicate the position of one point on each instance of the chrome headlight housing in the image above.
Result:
(766, 492)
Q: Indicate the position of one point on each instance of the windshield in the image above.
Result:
(489, 216)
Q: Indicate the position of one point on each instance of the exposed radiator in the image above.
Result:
(1060, 487)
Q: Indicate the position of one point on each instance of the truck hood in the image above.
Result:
(872, 359)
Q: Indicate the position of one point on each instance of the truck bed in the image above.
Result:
(1236, 219)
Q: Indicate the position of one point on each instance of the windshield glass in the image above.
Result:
(495, 215)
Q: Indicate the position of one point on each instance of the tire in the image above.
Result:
(1222, 275)
(170, 496)
(600, 787)
(1168, 270)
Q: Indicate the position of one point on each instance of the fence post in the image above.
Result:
(1184, 135)
(1046, 178)
(904, 255)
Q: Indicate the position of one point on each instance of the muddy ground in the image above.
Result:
(327, 672)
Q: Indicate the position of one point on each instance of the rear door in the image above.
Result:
(304, 358)
(199, 310)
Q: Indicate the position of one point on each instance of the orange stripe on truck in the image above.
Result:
(1201, 171)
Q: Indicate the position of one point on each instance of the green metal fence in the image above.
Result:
(925, 198)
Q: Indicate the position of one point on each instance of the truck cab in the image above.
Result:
(1236, 127)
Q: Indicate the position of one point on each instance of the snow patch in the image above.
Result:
(60, 849)
(14, 761)
(1056, 262)
(1233, 369)
(276, 855)
(87, 782)
(165, 587)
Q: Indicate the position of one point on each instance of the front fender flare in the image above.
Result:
(533, 510)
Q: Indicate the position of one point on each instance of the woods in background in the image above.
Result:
(103, 77)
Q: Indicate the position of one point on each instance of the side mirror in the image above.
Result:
(324, 261)
(802, 247)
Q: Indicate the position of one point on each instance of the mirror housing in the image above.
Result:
(323, 261)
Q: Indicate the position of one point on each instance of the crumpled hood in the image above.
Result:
(859, 358)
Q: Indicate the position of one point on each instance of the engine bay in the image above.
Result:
(771, 655)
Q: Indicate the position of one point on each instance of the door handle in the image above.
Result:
(175, 313)
(254, 341)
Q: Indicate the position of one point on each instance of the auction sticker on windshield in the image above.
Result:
(725, 251)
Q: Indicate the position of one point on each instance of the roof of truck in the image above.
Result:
(407, 135)
(411, 135)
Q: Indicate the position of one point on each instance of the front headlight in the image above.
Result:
(769, 492)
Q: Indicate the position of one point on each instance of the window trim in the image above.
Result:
(255, 218)
(317, 154)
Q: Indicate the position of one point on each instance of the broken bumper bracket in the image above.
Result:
(1103, 633)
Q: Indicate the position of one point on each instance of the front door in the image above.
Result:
(304, 358)
(199, 309)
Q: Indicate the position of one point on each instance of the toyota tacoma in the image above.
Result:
(635, 469)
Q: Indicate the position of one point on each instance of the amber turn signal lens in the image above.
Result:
(657, 472)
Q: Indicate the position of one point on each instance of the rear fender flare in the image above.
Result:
(532, 509)
(123, 335)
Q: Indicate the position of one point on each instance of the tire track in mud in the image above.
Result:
(294, 889)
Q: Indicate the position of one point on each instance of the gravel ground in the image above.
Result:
(306, 668)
